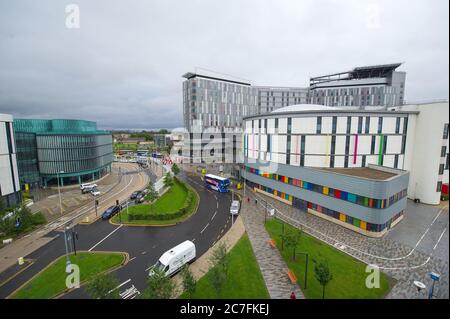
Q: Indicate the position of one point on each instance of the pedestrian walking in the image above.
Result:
(256, 201)
(248, 199)
(293, 295)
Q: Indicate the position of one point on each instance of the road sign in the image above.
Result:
(435, 276)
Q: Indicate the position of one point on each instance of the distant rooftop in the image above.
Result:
(363, 72)
(191, 75)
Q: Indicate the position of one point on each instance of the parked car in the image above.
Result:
(87, 185)
(95, 192)
(234, 209)
(110, 212)
(174, 259)
(139, 198)
(88, 188)
(135, 194)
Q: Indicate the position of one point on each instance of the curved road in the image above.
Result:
(143, 244)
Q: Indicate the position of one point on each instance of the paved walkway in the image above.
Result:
(272, 265)
(405, 264)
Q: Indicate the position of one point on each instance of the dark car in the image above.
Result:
(139, 198)
(134, 195)
(110, 212)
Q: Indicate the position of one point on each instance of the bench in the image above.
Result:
(292, 276)
(273, 243)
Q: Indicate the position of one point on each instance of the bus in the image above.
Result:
(217, 183)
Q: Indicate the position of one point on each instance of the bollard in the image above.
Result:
(20, 261)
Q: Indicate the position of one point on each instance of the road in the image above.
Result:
(131, 180)
(143, 244)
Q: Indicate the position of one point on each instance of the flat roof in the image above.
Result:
(336, 110)
(191, 75)
(365, 172)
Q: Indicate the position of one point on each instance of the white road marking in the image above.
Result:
(132, 259)
(105, 237)
(124, 283)
(193, 240)
(130, 293)
(214, 215)
(440, 237)
(217, 204)
(204, 228)
(87, 209)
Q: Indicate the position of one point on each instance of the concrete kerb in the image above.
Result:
(29, 261)
(202, 265)
(194, 211)
(123, 263)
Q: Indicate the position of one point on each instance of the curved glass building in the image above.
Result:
(73, 150)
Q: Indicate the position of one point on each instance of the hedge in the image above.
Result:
(187, 208)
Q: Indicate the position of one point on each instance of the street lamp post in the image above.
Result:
(68, 265)
(306, 267)
(59, 191)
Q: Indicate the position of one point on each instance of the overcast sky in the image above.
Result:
(123, 66)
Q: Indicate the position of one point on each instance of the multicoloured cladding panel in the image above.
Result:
(304, 205)
(332, 192)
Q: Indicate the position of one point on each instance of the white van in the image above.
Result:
(174, 259)
(87, 188)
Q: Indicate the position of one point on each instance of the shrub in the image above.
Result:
(188, 206)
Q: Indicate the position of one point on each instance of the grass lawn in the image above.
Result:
(171, 201)
(349, 274)
(244, 277)
(52, 280)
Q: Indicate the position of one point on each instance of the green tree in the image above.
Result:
(159, 286)
(323, 275)
(175, 169)
(103, 286)
(220, 258)
(168, 180)
(292, 239)
(219, 262)
(189, 282)
(218, 279)
(152, 194)
(163, 131)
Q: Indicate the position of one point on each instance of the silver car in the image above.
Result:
(234, 209)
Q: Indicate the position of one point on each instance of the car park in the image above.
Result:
(234, 209)
(110, 212)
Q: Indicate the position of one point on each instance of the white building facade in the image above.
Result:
(329, 160)
(9, 175)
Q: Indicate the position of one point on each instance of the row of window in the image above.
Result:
(332, 192)
(72, 141)
(305, 205)
(334, 125)
(76, 166)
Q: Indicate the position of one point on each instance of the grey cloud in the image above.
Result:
(123, 67)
